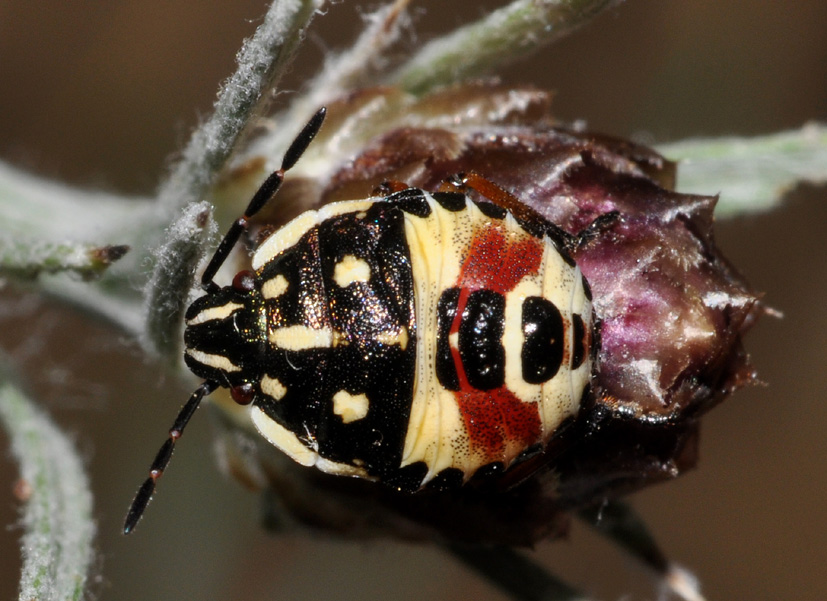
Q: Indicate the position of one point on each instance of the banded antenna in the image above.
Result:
(260, 199)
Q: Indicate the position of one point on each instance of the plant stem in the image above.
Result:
(57, 543)
(752, 175)
(262, 61)
(341, 74)
(496, 40)
(521, 578)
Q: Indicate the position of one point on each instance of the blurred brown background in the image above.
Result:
(103, 94)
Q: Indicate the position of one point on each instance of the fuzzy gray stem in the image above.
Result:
(262, 61)
(494, 41)
(51, 228)
(752, 175)
(342, 73)
(175, 267)
(57, 515)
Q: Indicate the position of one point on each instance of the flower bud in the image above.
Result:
(671, 309)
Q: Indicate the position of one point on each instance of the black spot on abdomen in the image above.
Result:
(579, 335)
(480, 339)
(542, 351)
(446, 371)
(450, 201)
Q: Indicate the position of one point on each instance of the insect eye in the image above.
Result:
(243, 394)
(244, 281)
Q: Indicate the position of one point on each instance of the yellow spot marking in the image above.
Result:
(350, 407)
(389, 338)
(273, 388)
(281, 437)
(339, 339)
(213, 313)
(349, 270)
(215, 361)
(274, 287)
(299, 338)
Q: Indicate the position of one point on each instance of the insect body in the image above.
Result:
(411, 338)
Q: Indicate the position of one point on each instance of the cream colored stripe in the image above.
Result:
(213, 313)
(299, 338)
(215, 361)
(436, 431)
(283, 239)
(282, 438)
(424, 240)
(291, 233)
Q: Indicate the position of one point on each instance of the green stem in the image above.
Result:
(619, 522)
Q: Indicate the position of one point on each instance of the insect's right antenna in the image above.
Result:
(136, 510)
(267, 191)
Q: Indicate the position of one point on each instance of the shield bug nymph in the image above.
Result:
(412, 337)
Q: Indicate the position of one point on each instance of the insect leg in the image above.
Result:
(156, 470)
(267, 191)
(389, 186)
(597, 227)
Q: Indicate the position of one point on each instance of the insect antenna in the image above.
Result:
(267, 191)
(156, 470)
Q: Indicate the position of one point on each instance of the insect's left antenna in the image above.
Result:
(156, 470)
(267, 191)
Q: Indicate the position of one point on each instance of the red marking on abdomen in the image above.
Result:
(496, 417)
(497, 261)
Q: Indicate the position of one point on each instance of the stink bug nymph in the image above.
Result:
(410, 338)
